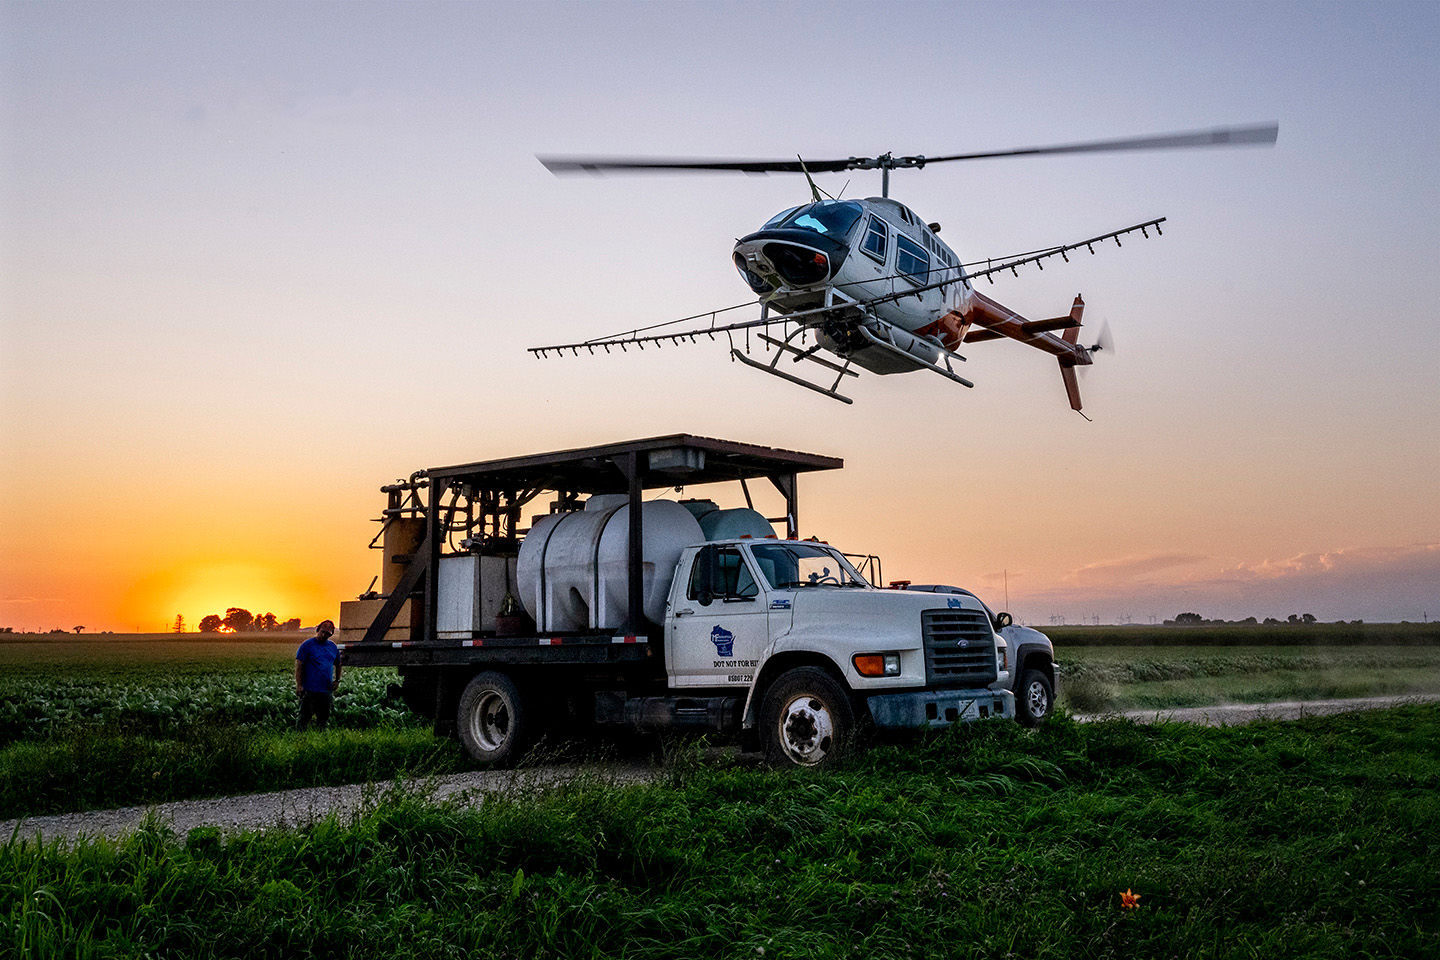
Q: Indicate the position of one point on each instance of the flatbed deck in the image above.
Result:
(589, 649)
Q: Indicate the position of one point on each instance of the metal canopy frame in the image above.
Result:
(491, 494)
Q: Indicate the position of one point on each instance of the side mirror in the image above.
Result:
(1003, 620)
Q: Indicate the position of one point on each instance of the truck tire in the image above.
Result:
(806, 719)
(492, 720)
(1034, 698)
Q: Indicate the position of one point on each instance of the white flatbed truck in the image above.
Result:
(588, 618)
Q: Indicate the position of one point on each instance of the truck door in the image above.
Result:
(718, 626)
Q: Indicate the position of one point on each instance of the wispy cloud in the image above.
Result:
(1133, 569)
(1373, 583)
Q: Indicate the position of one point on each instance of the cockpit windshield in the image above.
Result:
(833, 218)
(787, 565)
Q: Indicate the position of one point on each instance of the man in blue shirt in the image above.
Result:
(317, 675)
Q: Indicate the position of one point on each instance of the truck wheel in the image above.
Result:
(492, 720)
(1034, 698)
(806, 719)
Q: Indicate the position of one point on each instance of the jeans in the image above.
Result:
(315, 706)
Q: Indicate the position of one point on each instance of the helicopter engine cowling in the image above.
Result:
(847, 340)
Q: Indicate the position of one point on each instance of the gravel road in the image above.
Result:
(292, 808)
(1232, 714)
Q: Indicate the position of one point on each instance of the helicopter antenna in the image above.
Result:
(814, 190)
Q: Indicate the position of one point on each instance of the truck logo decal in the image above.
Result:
(780, 604)
(954, 603)
(724, 642)
(962, 642)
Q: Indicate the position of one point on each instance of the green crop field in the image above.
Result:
(88, 723)
(1309, 839)
(102, 721)
(1246, 635)
(1095, 679)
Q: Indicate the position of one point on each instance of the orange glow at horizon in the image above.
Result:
(196, 590)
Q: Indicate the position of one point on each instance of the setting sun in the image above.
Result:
(202, 588)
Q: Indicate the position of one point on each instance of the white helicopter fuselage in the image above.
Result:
(857, 262)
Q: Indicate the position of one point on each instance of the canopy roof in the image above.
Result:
(662, 462)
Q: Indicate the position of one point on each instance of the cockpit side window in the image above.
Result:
(911, 259)
(877, 239)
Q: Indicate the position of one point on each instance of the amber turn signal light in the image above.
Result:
(877, 664)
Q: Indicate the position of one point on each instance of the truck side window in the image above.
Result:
(731, 576)
(738, 581)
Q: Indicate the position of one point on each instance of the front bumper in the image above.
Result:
(939, 708)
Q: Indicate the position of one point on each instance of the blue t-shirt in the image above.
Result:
(317, 664)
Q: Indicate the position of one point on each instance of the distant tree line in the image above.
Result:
(1195, 620)
(240, 620)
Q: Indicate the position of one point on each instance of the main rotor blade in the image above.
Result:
(599, 165)
(1265, 133)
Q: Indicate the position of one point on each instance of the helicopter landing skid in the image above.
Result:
(783, 348)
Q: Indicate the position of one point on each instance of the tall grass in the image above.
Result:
(86, 770)
(1314, 839)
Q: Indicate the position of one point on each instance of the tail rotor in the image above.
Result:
(1104, 341)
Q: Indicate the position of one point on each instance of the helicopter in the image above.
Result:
(870, 281)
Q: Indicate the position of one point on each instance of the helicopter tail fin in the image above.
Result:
(1072, 384)
(1072, 333)
(1067, 370)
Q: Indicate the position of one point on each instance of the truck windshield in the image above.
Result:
(788, 565)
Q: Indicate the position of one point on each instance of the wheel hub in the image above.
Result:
(807, 730)
(492, 721)
(1038, 700)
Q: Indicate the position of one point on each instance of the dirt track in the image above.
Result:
(290, 808)
(1231, 714)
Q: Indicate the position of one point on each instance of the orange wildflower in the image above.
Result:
(1129, 900)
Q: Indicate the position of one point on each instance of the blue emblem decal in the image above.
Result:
(955, 603)
(780, 604)
(724, 642)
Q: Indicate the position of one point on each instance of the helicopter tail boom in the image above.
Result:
(992, 320)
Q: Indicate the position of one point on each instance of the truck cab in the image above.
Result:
(744, 614)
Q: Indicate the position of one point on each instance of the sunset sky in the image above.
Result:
(258, 259)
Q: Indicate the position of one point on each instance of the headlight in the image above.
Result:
(877, 664)
(1002, 655)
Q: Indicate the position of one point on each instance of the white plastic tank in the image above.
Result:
(573, 567)
(734, 524)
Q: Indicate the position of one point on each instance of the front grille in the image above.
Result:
(959, 648)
